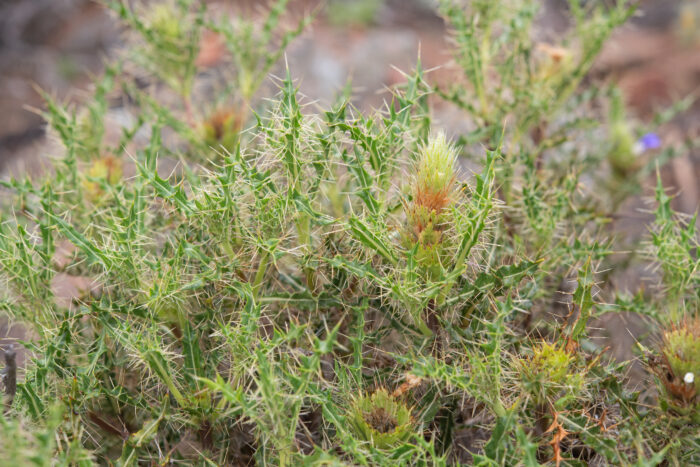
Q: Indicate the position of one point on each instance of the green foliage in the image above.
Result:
(675, 245)
(25, 444)
(251, 290)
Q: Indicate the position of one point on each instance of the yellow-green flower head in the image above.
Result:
(162, 18)
(435, 174)
(622, 156)
(550, 361)
(380, 420)
(427, 216)
(677, 369)
(548, 371)
(681, 349)
(222, 129)
(107, 169)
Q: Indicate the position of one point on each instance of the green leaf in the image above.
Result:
(355, 268)
(165, 190)
(364, 180)
(159, 365)
(34, 403)
(94, 254)
(497, 447)
(583, 300)
(527, 448)
(362, 232)
(236, 397)
(193, 356)
(496, 282)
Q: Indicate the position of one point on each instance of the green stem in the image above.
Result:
(480, 89)
(498, 408)
(423, 328)
(303, 224)
(260, 274)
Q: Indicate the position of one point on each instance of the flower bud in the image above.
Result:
(162, 19)
(221, 129)
(108, 170)
(554, 61)
(621, 156)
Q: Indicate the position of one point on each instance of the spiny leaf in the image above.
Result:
(363, 233)
(94, 254)
(167, 191)
(583, 300)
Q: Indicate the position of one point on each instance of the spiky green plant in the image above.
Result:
(240, 284)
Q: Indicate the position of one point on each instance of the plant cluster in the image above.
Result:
(273, 285)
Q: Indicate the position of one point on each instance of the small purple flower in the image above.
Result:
(650, 141)
(647, 143)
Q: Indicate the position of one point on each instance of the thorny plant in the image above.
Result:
(331, 288)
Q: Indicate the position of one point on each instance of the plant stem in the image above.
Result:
(260, 274)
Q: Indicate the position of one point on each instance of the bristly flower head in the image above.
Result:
(163, 20)
(435, 174)
(678, 366)
(622, 156)
(380, 419)
(222, 128)
(427, 216)
(548, 371)
(555, 61)
(681, 348)
(108, 170)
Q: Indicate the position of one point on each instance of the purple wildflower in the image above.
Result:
(647, 142)
(650, 141)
